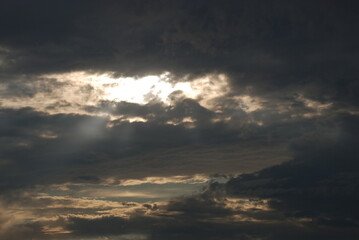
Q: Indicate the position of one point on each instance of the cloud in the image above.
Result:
(66, 147)
(310, 197)
(319, 184)
(266, 90)
(270, 49)
(205, 217)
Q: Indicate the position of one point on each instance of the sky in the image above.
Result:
(157, 120)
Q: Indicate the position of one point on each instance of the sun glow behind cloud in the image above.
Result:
(142, 90)
(130, 89)
(135, 99)
(73, 92)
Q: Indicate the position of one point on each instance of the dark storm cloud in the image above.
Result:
(299, 58)
(39, 142)
(67, 147)
(157, 111)
(64, 147)
(313, 196)
(205, 216)
(272, 48)
(321, 183)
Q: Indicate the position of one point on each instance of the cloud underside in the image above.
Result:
(160, 119)
(272, 48)
(312, 195)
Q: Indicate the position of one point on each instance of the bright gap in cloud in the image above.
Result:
(71, 92)
(146, 89)
(130, 89)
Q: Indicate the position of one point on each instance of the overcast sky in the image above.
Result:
(171, 120)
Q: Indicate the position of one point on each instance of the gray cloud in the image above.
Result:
(203, 217)
(276, 47)
(319, 184)
(64, 147)
(294, 62)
